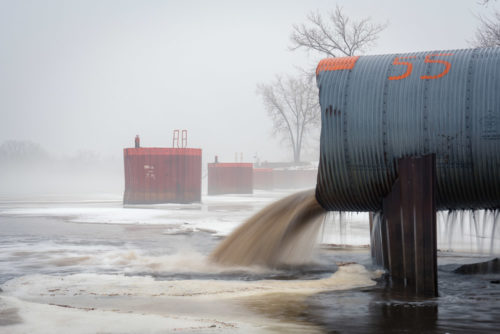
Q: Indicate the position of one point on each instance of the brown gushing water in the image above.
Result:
(284, 232)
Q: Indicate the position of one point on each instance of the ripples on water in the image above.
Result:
(55, 247)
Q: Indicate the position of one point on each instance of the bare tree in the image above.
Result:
(292, 103)
(488, 32)
(337, 35)
(15, 151)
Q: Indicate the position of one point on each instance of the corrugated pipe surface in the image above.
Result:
(376, 109)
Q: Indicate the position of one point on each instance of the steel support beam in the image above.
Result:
(408, 227)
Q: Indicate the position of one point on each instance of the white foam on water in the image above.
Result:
(90, 303)
(41, 287)
(132, 301)
(183, 261)
(52, 256)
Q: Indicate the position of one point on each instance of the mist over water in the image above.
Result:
(79, 79)
(31, 172)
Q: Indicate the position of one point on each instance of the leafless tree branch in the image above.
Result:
(337, 36)
(292, 104)
(488, 33)
(485, 2)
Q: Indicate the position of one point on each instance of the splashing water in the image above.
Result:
(284, 232)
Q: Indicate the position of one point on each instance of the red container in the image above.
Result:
(162, 175)
(295, 178)
(230, 178)
(263, 178)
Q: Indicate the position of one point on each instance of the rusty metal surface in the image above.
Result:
(409, 212)
(230, 178)
(294, 178)
(376, 109)
(263, 178)
(162, 175)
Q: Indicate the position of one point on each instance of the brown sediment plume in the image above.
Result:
(284, 232)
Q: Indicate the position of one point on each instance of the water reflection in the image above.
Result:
(374, 310)
(465, 305)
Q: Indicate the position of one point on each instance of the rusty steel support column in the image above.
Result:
(408, 227)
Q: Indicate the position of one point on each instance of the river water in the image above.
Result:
(89, 265)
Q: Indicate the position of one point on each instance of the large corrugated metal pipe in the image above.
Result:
(376, 109)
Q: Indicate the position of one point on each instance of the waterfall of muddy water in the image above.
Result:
(284, 232)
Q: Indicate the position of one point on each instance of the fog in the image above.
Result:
(87, 76)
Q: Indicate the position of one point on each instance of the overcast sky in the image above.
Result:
(93, 74)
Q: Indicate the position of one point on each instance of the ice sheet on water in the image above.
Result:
(179, 220)
(219, 215)
(27, 317)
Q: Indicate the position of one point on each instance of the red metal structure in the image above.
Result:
(294, 178)
(263, 178)
(230, 178)
(162, 175)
